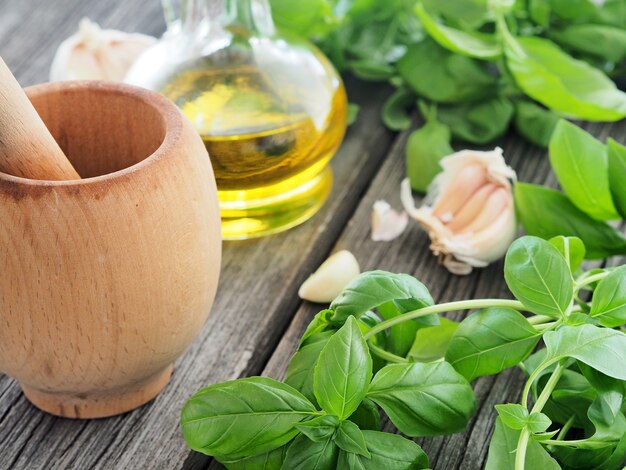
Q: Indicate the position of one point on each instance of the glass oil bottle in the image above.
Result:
(269, 107)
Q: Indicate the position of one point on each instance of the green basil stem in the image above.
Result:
(386, 355)
(522, 443)
(566, 427)
(536, 319)
(507, 37)
(586, 280)
(575, 443)
(446, 307)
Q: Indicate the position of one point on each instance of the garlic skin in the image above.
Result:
(468, 212)
(330, 278)
(97, 54)
(387, 224)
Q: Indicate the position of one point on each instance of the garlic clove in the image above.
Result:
(468, 212)
(472, 208)
(465, 183)
(387, 224)
(97, 54)
(325, 284)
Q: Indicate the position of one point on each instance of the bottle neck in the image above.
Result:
(253, 16)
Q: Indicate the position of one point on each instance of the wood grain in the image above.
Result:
(257, 316)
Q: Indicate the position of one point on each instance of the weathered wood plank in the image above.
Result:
(257, 292)
(409, 253)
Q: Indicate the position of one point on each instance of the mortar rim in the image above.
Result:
(172, 118)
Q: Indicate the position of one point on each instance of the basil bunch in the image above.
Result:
(592, 176)
(383, 346)
(484, 63)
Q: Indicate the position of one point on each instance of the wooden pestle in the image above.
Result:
(27, 149)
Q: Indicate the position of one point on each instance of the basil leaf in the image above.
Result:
(350, 439)
(343, 371)
(489, 341)
(502, 449)
(605, 42)
(431, 343)
(320, 428)
(395, 111)
(371, 70)
(547, 213)
(244, 417)
(353, 113)
(539, 12)
(272, 460)
(617, 175)
(366, 416)
(476, 45)
(609, 299)
(302, 364)
(601, 348)
(309, 18)
(469, 13)
(304, 454)
(565, 85)
(443, 77)
(425, 147)
(534, 123)
(572, 249)
(400, 336)
(374, 288)
(538, 276)
(388, 452)
(423, 399)
(513, 415)
(478, 122)
(320, 323)
(581, 166)
(538, 422)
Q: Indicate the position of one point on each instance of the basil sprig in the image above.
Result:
(353, 362)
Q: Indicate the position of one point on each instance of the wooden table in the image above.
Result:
(257, 318)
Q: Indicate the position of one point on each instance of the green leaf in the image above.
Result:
(353, 113)
(388, 452)
(371, 70)
(601, 348)
(572, 249)
(538, 422)
(539, 12)
(244, 417)
(374, 288)
(476, 45)
(400, 336)
(431, 343)
(320, 323)
(343, 371)
(307, 18)
(513, 415)
(534, 122)
(609, 299)
(319, 428)
(491, 340)
(425, 147)
(272, 460)
(395, 111)
(302, 365)
(366, 416)
(565, 85)
(444, 77)
(617, 175)
(304, 454)
(471, 14)
(538, 276)
(502, 449)
(479, 122)
(350, 439)
(605, 42)
(547, 213)
(581, 166)
(423, 399)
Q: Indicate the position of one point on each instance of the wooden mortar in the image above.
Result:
(106, 280)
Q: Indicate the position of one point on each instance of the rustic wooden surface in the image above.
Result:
(257, 318)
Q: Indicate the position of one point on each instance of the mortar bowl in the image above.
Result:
(106, 280)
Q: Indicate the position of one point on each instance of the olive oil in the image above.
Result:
(269, 143)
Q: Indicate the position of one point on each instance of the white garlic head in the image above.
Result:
(97, 54)
(468, 212)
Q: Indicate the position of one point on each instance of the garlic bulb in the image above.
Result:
(330, 278)
(468, 211)
(387, 223)
(97, 54)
